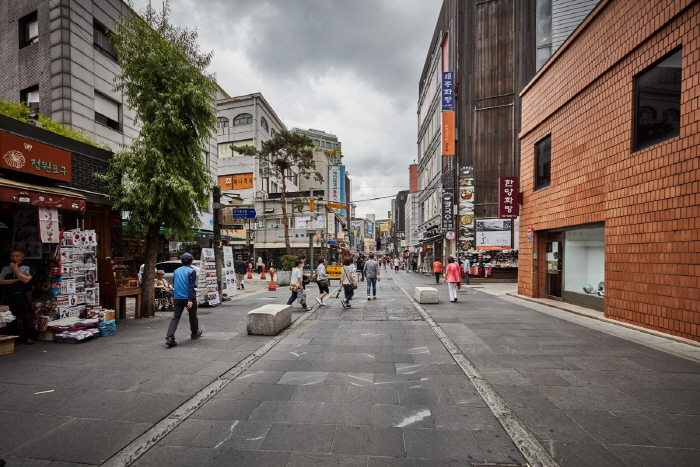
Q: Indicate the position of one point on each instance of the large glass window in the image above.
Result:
(223, 122)
(658, 102)
(263, 123)
(543, 29)
(106, 112)
(584, 261)
(543, 162)
(228, 149)
(243, 119)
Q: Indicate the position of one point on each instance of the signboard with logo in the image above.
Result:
(448, 88)
(35, 198)
(508, 198)
(30, 157)
(236, 181)
(448, 201)
(448, 133)
(467, 237)
(493, 234)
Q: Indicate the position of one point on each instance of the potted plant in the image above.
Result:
(284, 276)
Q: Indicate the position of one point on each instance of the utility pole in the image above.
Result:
(312, 232)
(216, 205)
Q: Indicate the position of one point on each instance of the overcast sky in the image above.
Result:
(347, 67)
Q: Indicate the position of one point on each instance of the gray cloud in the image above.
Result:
(350, 67)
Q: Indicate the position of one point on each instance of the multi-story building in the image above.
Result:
(609, 170)
(57, 58)
(398, 214)
(480, 57)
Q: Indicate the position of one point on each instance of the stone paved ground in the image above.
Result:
(371, 386)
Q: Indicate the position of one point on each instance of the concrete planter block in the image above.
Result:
(269, 320)
(283, 277)
(426, 295)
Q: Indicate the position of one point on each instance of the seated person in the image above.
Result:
(163, 286)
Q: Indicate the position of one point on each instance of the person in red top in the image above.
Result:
(437, 269)
(452, 278)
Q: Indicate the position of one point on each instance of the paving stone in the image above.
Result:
(306, 459)
(232, 434)
(282, 411)
(582, 455)
(185, 432)
(426, 396)
(268, 392)
(241, 458)
(401, 416)
(497, 447)
(553, 424)
(654, 456)
(299, 437)
(572, 398)
(441, 444)
(175, 456)
(607, 428)
(340, 413)
(668, 430)
(464, 418)
(20, 428)
(369, 440)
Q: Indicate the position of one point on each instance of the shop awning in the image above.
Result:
(12, 191)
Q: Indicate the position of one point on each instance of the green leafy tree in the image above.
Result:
(286, 150)
(162, 179)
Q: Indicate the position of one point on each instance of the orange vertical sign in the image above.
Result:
(448, 133)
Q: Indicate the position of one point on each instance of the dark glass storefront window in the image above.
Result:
(658, 102)
(543, 162)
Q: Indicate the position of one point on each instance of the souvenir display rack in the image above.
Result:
(496, 264)
(119, 280)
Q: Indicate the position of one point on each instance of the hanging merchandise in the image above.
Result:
(208, 279)
(48, 225)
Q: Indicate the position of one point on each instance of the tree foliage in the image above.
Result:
(162, 179)
(286, 150)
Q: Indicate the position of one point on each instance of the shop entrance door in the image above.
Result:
(554, 264)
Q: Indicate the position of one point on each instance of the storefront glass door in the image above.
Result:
(554, 264)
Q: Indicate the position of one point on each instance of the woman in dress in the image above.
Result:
(452, 278)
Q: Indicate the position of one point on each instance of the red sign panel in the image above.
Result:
(27, 156)
(508, 198)
(36, 198)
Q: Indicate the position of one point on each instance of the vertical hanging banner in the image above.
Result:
(467, 237)
(48, 225)
(342, 189)
(334, 194)
(448, 201)
(508, 198)
(448, 91)
(448, 133)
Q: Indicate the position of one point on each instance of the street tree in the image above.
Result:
(285, 151)
(161, 179)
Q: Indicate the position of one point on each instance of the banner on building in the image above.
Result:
(448, 89)
(467, 237)
(334, 195)
(447, 201)
(448, 133)
(508, 198)
(493, 234)
(342, 190)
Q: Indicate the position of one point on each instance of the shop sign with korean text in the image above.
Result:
(236, 181)
(30, 157)
(448, 91)
(448, 133)
(508, 198)
(35, 198)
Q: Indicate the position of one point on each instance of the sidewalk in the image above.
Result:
(592, 392)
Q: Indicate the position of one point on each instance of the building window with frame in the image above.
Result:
(243, 119)
(658, 102)
(543, 162)
(223, 122)
(28, 30)
(273, 132)
(100, 40)
(263, 123)
(106, 112)
(30, 96)
(543, 30)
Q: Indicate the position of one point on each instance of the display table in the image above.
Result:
(116, 300)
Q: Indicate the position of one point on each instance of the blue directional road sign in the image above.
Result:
(243, 213)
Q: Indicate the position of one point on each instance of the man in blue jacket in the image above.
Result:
(184, 295)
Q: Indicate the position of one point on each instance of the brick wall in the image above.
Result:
(84, 168)
(649, 200)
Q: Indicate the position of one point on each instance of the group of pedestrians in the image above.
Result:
(369, 271)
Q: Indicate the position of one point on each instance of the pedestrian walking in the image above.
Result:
(184, 296)
(240, 268)
(348, 282)
(322, 281)
(16, 281)
(297, 285)
(414, 265)
(360, 266)
(452, 278)
(371, 272)
(397, 263)
(260, 264)
(437, 269)
(465, 267)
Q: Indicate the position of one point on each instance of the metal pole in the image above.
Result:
(311, 236)
(216, 198)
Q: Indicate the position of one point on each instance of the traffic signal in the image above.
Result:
(312, 204)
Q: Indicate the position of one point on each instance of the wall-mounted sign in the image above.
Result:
(493, 234)
(448, 133)
(35, 198)
(466, 217)
(335, 205)
(236, 181)
(448, 91)
(27, 156)
(508, 198)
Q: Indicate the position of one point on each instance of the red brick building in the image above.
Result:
(610, 167)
